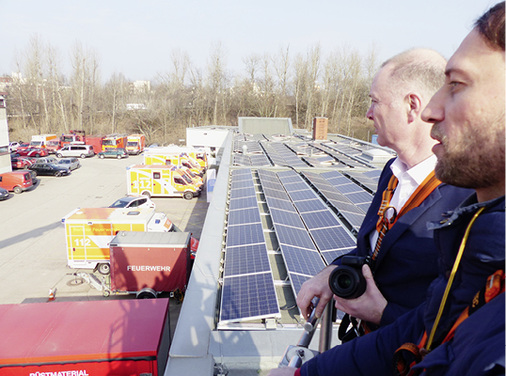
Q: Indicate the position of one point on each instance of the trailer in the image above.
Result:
(148, 263)
(95, 141)
(160, 181)
(89, 231)
(106, 337)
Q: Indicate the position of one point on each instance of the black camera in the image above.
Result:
(347, 281)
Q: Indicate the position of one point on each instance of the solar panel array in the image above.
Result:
(345, 154)
(281, 155)
(249, 153)
(348, 198)
(309, 235)
(248, 285)
(367, 179)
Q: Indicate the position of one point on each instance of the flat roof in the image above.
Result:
(201, 343)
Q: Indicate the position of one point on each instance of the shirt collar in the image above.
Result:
(418, 172)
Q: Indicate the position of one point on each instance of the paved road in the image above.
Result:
(32, 236)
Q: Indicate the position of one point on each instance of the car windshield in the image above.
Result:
(121, 203)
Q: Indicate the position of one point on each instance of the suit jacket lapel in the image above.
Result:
(405, 222)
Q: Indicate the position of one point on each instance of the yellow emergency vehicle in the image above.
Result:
(177, 156)
(89, 231)
(160, 181)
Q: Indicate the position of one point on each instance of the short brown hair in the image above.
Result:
(491, 26)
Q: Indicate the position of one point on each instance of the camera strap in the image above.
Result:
(388, 214)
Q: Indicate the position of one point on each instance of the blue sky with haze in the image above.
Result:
(136, 38)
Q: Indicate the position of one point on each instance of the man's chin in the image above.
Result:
(438, 149)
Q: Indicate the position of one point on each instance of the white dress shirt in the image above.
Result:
(409, 180)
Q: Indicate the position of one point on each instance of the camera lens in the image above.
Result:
(347, 282)
(344, 281)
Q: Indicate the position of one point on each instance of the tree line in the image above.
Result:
(41, 99)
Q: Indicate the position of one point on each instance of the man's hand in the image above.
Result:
(317, 286)
(369, 306)
(283, 371)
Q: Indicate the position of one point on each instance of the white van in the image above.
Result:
(82, 151)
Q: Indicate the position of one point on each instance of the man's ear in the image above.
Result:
(414, 105)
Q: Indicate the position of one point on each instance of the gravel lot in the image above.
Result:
(32, 237)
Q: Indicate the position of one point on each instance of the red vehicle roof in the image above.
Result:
(79, 331)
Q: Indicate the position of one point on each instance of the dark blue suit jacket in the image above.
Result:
(478, 346)
(407, 260)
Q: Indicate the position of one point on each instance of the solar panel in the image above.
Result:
(275, 203)
(247, 259)
(243, 192)
(241, 174)
(248, 297)
(245, 234)
(302, 260)
(281, 195)
(294, 236)
(348, 188)
(332, 238)
(239, 217)
(259, 160)
(266, 174)
(286, 218)
(276, 185)
(296, 186)
(310, 205)
(345, 206)
(297, 280)
(289, 176)
(307, 194)
(243, 203)
(360, 197)
(320, 219)
(241, 184)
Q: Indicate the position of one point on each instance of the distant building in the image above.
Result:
(141, 87)
(5, 83)
(264, 125)
(135, 106)
(5, 158)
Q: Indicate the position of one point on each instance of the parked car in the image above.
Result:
(33, 152)
(72, 163)
(30, 160)
(19, 163)
(81, 151)
(4, 194)
(16, 181)
(133, 202)
(13, 146)
(50, 169)
(113, 153)
(23, 146)
(50, 159)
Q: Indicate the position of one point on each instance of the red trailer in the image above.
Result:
(109, 337)
(96, 142)
(147, 263)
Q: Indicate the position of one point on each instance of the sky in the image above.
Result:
(138, 37)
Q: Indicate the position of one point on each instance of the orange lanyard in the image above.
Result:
(386, 221)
